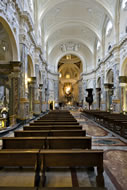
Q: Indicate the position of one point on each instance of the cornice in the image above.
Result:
(18, 6)
(32, 36)
(39, 48)
(103, 61)
(50, 72)
(25, 15)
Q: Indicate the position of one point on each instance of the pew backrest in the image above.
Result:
(23, 142)
(16, 157)
(52, 127)
(46, 133)
(46, 143)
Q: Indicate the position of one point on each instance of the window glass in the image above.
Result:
(109, 28)
(124, 4)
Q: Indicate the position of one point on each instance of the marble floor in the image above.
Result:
(115, 163)
(115, 152)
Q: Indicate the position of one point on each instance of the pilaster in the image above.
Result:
(103, 94)
(14, 77)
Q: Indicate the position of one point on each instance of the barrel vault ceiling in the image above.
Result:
(73, 24)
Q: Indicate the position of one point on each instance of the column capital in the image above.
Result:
(32, 81)
(108, 85)
(15, 66)
(122, 79)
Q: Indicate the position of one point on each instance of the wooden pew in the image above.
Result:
(46, 133)
(72, 188)
(73, 158)
(115, 122)
(18, 188)
(57, 116)
(68, 142)
(120, 128)
(46, 143)
(56, 120)
(52, 127)
(53, 188)
(54, 123)
(21, 158)
(23, 142)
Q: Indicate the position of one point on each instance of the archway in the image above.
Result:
(5, 100)
(77, 54)
(69, 68)
(8, 77)
(9, 40)
(123, 84)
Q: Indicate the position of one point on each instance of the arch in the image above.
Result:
(49, 6)
(110, 76)
(30, 67)
(98, 82)
(123, 68)
(70, 69)
(40, 76)
(63, 66)
(12, 37)
(4, 78)
(67, 23)
(73, 53)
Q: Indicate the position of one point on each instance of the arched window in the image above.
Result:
(124, 4)
(98, 45)
(108, 28)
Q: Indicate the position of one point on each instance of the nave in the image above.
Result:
(114, 155)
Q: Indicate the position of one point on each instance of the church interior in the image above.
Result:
(63, 94)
